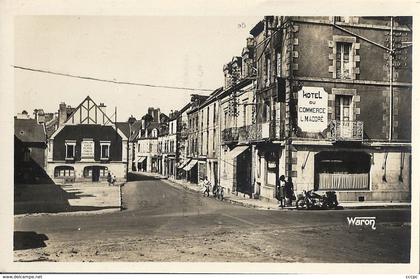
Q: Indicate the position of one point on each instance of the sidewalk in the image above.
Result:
(75, 198)
(267, 205)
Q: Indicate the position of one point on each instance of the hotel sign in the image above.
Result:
(312, 109)
(88, 149)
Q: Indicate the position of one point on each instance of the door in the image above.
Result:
(243, 172)
(95, 174)
(344, 115)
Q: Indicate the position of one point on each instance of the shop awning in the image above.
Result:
(183, 164)
(190, 165)
(237, 151)
(141, 159)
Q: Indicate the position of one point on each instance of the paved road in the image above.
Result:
(163, 222)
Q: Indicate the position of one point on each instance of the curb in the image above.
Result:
(275, 206)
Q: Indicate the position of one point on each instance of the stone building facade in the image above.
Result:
(330, 76)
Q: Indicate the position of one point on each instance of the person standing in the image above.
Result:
(289, 191)
(206, 187)
(109, 179)
(281, 190)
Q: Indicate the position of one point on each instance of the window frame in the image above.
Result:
(339, 98)
(73, 144)
(341, 48)
(353, 57)
(108, 144)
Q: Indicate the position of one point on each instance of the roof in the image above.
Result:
(51, 126)
(124, 127)
(180, 112)
(257, 29)
(212, 97)
(135, 129)
(28, 130)
(235, 87)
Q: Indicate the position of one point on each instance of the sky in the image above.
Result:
(173, 51)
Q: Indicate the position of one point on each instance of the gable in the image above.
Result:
(88, 112)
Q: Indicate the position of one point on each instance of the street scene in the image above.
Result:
(165, 222)
(278, 139)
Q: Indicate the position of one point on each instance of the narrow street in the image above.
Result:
(164, 223)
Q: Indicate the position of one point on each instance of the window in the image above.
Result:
(70, 149)
(214, 113)
(208, 116)
(344, 60)
(278, 58)
(61, 171)
(244, 114)
(101, 170)
(343, 108)
(214, 140)
(105, 146)
(207, 142)
(268, 70)
(266, 111)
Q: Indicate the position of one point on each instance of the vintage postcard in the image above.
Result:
(210, 142)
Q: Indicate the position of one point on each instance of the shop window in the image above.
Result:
(342, 170)
(63, 171)
(70, 150)
(102, 170)
(105, 148)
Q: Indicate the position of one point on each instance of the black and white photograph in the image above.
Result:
(249, 139)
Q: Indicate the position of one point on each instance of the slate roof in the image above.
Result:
(28, 130)
(124, 127)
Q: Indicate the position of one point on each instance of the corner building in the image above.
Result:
(344, 103)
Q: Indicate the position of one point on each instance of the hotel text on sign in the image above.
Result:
(312, 109)
(87, 149)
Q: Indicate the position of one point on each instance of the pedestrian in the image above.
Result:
(289, 191)
(114, 179)
(280, 190)
(109, 179)
(206, 187)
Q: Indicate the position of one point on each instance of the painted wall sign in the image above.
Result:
(312, 109)
(88, 149)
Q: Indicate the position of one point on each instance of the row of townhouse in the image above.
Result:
(325, 101)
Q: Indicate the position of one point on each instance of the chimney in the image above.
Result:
(62, 114)
(158, 115)
(102, 107)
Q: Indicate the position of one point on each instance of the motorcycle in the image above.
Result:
(312, 200)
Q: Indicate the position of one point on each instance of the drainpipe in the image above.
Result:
(391, 73)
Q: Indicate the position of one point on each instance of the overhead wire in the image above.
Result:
(111, 81)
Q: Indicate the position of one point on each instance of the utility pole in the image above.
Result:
(391, 74)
